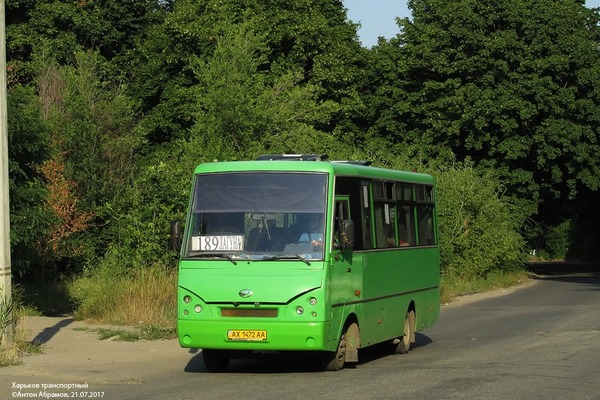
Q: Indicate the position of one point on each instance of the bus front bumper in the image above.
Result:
(257, 336)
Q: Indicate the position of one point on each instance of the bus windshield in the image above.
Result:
(258, 216)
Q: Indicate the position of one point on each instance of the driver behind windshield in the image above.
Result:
(313, 231)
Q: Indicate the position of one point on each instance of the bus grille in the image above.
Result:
(249, 312)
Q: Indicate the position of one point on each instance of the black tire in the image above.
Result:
(335, 360)
(402, 344)
(215, 360)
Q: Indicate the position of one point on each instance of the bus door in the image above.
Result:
(345, 287)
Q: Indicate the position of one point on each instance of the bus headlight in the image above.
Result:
(187, 299)
(299, 310)
(312, 301)
(198, 308)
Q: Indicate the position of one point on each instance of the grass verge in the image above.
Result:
(453, 286)
(142, 297)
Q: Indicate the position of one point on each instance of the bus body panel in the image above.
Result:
(270, 282)
(388, 285)
(391, 286)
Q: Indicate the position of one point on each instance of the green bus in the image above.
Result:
(297, 253)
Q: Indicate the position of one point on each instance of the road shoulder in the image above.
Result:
(73, 353)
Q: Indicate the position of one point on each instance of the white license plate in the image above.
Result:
(218, 243)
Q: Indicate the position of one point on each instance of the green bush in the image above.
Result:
(557, 241)
(479, 229)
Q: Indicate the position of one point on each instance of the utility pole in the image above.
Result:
(5, 274)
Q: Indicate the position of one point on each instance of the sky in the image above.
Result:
(377, 17)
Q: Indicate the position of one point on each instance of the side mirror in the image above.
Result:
(347, 234)
(175, 240)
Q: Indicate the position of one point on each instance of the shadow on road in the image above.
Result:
(587, 275)
(563, 268)
(269, 363)
(48, 333)
(382, 350)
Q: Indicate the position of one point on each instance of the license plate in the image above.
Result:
(237, 334)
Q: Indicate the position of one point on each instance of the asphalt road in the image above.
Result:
(539, 341)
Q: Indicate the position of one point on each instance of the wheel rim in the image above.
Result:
(402, 344)
(406, 339)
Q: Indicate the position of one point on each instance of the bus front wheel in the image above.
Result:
(334, 361)
(347, 350)
(402, 344)
(215, 360)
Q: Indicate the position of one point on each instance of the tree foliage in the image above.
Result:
(243, 112)
(93, 143)
(63, 203)
(112, 103)
(512, 85)
(58, 29)
(28, 143)
(312, 38)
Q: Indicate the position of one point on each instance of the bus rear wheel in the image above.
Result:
(402, 344)
(215, 360)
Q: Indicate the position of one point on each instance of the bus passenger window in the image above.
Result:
(365, 213)
(378, 190)
(388, 190)
(404, 192)
(426, 236)
(406, 226)
(425, 193)
(385, 220)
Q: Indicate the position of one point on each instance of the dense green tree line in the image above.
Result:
(113, 102)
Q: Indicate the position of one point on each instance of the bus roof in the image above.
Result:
(336, 168)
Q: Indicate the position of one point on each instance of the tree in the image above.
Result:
(58, 29)
(311, 38)
(63, 202)
(93, 146)
(28, 149)
(243, 111)
(513, 85)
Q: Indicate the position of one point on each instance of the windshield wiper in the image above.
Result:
(287, 257)
(210, 255)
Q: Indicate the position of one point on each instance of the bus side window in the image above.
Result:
(406, 225)
(426, 235)
(341, 213)
(384, 225)
(365, 215)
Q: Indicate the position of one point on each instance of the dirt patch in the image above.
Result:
(72, 353)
